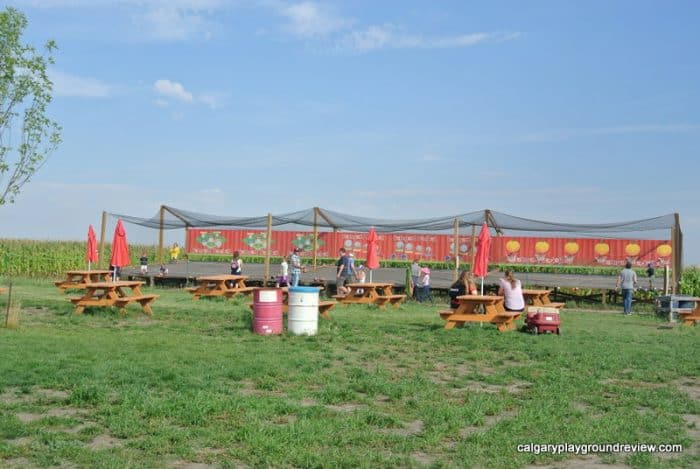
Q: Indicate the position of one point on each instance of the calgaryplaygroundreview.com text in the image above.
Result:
(536, 448)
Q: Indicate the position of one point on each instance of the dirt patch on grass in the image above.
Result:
(346, 407)
(489, 421)
(24, 463)
(27, 417)
(689, 386)
(307, 402)
(78, 428)
(581, 462)
(285, 419)
(180, 464)
(423, 459)
(104, 442)
(581, 407)
(52, 394)
(412, 428)
(23, 441)
(693, 430)
(17, 396)
(476, 386)
(14, 396)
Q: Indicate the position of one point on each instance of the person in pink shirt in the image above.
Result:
(511, 288)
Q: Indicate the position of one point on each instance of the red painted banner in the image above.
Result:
(434, 247)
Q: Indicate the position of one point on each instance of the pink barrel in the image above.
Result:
(267, 311)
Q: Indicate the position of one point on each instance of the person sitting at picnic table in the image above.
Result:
(424, 287)
(511, 288)
(162, 271)
(143, 260)
(361, 278)
(174, 252)
(464, 285)
(236, 264)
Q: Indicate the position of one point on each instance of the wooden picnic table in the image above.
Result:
(118, 294)
(78, 279)
(378, 293)
(540, 298)
(690, 316)
(220, 285)
(480, 308)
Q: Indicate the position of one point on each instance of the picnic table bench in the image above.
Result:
(114, 294)
(220, 285)
(78, 279)
(371, 293)
(470, 307)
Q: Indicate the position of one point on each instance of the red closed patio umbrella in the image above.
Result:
(91, 250)
(481, 261)
(120, 249)
(372, 256)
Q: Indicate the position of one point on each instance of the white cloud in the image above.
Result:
(171, 23)
(309, 19)
(163, 20)
(65, 84)
(211, 100)
(189, 4)
(387, 37)
(172, 89)
(167, 91)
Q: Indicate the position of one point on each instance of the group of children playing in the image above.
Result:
(420, 276)
(143, 261)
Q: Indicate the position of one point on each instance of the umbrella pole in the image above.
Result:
(482, 286)
(370, 275)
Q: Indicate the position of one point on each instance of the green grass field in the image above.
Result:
(194, 387)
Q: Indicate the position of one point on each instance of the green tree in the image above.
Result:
(27, 135)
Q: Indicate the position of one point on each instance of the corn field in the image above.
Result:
(28, 258)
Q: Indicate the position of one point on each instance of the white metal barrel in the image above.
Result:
(302, 315)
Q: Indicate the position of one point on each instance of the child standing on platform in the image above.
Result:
(143, 260)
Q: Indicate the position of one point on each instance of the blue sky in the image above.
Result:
(572, 111)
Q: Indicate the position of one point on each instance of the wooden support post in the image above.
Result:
(456, 250)
(160, 235)
(473, 248)
(268, 249)
(676, 251)
(102, 237)
(315, 244)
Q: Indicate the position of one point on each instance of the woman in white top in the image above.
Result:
(512, 290)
